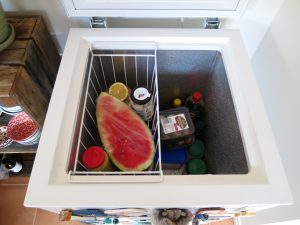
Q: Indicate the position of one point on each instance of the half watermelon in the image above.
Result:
(125, 136)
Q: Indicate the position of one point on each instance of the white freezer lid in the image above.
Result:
(155, 8)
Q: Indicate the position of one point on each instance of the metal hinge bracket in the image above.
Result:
(98, 22)
(212, 23)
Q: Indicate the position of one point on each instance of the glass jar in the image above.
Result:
(142, 102)
(96, 159)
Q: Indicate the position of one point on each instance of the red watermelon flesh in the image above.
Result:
(125, 136)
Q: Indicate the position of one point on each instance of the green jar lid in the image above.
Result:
(7, 42)
(197, 149)
(107, 220)
(196, 166)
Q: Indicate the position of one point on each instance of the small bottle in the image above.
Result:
(12, 164)
(96, 159)
(115, 221)
(196, 166)
(195, 104)
(107, 221)
(197, 149)
(199, 129)
(202, 217)
(176, 102)
(142, 102)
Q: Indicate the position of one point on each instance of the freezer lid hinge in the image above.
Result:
(212, 23)
(98, 22)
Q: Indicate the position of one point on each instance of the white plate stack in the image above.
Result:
(11, 110)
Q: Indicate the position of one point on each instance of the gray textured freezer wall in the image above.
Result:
(182, 72)
(225, 152)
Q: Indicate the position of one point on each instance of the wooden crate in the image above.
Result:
(18, 88)
(33, 27)
(28, 67)
(25, 53)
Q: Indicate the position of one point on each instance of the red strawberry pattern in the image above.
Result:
(21, 127)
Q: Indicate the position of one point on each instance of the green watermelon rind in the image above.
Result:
(106, 144)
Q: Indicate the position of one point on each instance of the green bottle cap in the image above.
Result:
(196, 166)
(107, 220)
(197, 149)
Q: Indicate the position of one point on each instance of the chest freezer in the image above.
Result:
(244, 170)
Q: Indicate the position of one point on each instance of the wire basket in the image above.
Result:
(133, 67)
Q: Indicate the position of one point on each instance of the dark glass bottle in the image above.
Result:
(196, 166)
(195, 105)
(199, 129)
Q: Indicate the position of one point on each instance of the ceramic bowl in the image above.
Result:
(11, 110)
(4, 28)
(34, 139)
(4, 31)
(7, 42)
(21, 128)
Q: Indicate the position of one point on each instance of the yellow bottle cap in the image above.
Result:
(177, 102)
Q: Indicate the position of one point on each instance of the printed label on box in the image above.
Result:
(173, 124)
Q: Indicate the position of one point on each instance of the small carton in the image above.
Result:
(177, 128)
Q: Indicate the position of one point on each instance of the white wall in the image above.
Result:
(53, 13)
(253, 25)
(276, 65)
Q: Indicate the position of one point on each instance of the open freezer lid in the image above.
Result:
(155, 8)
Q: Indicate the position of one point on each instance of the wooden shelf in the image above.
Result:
(17, 148)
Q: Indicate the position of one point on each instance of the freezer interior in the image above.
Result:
(180, 73)
(169, 74)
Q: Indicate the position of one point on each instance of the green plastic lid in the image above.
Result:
(196, 166)
(7, 42)
(197, 149)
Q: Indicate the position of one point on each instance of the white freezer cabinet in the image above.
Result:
(244, 167)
